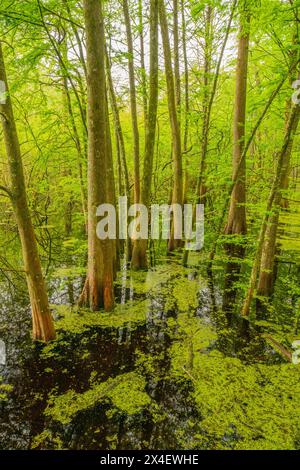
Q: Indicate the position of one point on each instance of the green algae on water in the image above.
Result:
(126, 393)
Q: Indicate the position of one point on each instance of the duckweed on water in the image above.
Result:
(125, 392)
(160, 371)
(163, 277)
(241, 406)
(77, 321)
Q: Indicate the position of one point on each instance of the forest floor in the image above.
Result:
(163, 371)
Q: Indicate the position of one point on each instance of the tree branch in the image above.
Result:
(7, 191)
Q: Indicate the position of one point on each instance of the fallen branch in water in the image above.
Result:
(285, 352)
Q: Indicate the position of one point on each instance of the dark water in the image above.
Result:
(103, 353)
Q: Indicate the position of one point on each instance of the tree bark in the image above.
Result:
(177, 57)
(118, 126)
(133, 103)
(121, 152)
(98, 291)
(201, 188)
(43, 326)
(267, 272)
(236, 223)
(143, 66)
(186, 104)
(139, 255)
(274, 197)
(177, 196)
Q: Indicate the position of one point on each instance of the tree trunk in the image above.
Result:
(186, 102)
(120, 147)
(265, 286)
(236, 223)
(68, 234)
(133, 104)
(177, 196)
(267, 272)
(139, 255)
(274, 199)
(245, 152)
(110, 187)
(43, 327)
(98, 290)
(118, 126)
(201, 188)
(176, 57)
(143, 67)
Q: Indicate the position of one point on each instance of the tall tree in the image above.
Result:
(176, 56)
(236, 223)
(201, 189)
(133, 102)
(143, 65)
(42, 323)
(186, 101)
(267, 271)
(177, 195)
(118, 126)
(273, 200)
(98, 289)
(139, 255)
(186, 83)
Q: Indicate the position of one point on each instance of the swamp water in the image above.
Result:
(163, 371)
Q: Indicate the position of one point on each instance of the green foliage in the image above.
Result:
(5, 390)
(238, 402)
(126, 393)
(241, 406)
(77, 321)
